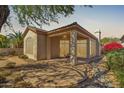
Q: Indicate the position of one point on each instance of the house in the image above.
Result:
(71, 41)
(122, 40)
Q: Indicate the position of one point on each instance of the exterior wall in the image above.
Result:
(42, 47)
(48, 46)
(32, 35)
(55, 47)
(82, 48)
(10, 51)
(92, 48)
(64, 48)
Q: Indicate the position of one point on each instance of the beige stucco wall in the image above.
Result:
(42, 48)
(82, 48)
(34, 41)
(10, 51)
(64, 48)
(55, 47)
(92, 48)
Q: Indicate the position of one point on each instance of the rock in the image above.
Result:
(32, 80)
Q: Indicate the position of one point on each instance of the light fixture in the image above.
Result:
(64, 36)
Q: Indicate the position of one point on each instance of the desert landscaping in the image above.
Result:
(29, 73)
(83, 50)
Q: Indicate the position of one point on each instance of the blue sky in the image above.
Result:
(109, 19)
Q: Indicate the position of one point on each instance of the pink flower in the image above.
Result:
(112, 46)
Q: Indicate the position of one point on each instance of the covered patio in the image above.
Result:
(73, 43)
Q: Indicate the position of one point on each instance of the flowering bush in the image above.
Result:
(112, 47)
(115, 60)
(114, 53)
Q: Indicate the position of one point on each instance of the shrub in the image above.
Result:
(116, 63)
(113, 46)
(23, 56)
(11, 65)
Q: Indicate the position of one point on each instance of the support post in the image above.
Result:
(97, 48)
(73, 47)
(88, 51)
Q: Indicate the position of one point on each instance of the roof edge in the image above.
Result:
(41, 31)
(74, 24)
(33, 29)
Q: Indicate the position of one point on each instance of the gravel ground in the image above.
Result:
(52, 74)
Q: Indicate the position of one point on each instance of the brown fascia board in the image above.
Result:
(86, 32)
(25, 32)
(61, 28)
(35, 30)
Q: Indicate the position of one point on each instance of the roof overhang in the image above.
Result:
(35, 30)
(72, 27)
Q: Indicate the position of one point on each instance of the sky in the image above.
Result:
(108, 19)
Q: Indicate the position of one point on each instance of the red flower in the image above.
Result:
(112, 46)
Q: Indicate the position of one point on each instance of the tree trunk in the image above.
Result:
(4, 13)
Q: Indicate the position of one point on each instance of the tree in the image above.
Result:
(16, 39)
(34, 15)
(106, 40)
(4, 13)
(4, 41)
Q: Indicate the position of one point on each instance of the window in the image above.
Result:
(81, 48)
(92, 48)
(29, 45)
(64, 48)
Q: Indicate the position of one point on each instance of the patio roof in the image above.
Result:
(74, 26)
